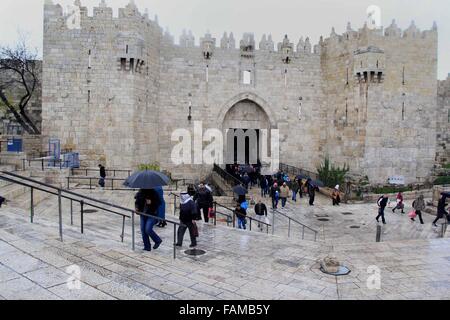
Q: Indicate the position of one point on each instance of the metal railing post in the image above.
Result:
(23, 164)
(82, 216)
(32, 206)
(234, 220)
(71, 212)
(215, 213)
(68, 183)
(123, 228)
(60, 215)
(132, 231)
(378, 237)
(42, 164)
(273, 222)
(90, 183)
(174, 241)
(289, 228)
(250, 224)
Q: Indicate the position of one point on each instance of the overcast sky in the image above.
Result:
(296, 18)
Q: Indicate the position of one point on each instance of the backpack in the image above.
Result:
(277, 194)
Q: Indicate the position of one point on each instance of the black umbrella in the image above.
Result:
(240, 190)
(301, 177)
(146, 180)
(318, 183)
(446, 194)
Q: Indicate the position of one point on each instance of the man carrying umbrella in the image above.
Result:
(147, 203)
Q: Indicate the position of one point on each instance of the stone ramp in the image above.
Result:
(237, 265)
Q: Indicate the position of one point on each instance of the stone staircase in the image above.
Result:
(237, 264)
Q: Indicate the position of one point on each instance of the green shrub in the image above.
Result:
(446, 166)
(331, 175)
(442, 180)
(391, 189)
(154, 167)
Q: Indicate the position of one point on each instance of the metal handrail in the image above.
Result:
(114, 171)
(69, 178)
(133, 212)
(43, 161)
(247, 217)
(289, 227)
(296, 171)
(226, 176)
(229, 216)
(96, 178)
(81, 202)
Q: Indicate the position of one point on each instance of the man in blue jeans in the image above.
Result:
(147, 201)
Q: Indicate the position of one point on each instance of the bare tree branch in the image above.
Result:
(18, 65)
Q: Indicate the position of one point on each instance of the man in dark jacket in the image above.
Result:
(101, 182)
(275, 195)
(263, 185)
(311, 191)
(204, 201)
(441, 212)
(382, 203)
(261, 213)
(147, 202)
(187, 215)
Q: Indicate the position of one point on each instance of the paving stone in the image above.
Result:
(47, 277)
(21, 262)
(86, 292)
(24, 289)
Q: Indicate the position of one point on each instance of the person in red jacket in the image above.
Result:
(400, 205)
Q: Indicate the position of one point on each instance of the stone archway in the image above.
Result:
(247, 118)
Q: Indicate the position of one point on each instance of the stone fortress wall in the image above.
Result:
(118, 87)
(443, 123)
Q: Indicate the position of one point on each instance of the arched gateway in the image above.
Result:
(243, 124)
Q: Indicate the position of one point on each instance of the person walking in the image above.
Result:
(294, 187)
(336, 196)
(301, 188)
(102, 180)
(382, 203)
(261, 213)
(204, 201)
(441, 212)
(162, 207)
(263, 185)
(275, 195)
(284, 194)
(311, 191)
(241, 214)
(419, 206)
(147, 202)
(187, 215)
(400, 205)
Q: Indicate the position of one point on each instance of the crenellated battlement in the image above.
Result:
(392, 34)
(55, 13)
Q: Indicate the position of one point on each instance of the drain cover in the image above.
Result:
(343, 271)
(195, 252)
(90, 211)
(323, 219)
(321, 215)
(355, 227)
(347, 213)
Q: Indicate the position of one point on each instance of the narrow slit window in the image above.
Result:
(89, 60)
(448, 116)
(89, 96)
(403, 76)
(126, 49)
(207, 73)
(123, 63)
(247, 77)
(403, 111)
